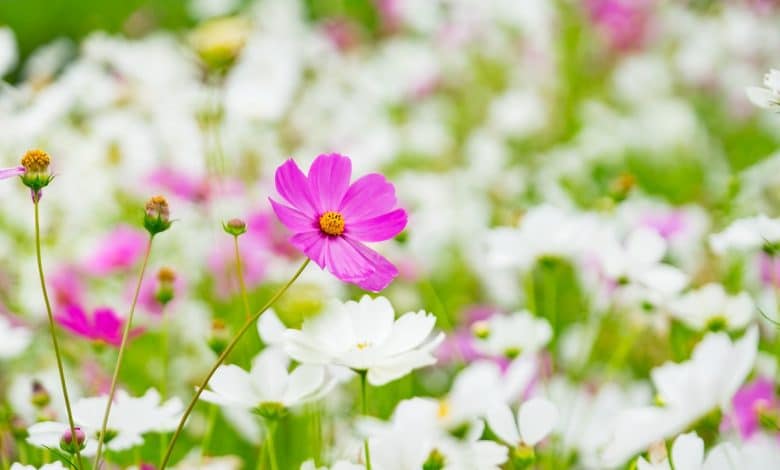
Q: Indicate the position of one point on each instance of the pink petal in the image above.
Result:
(11, 172)
(329, 179)
(383, 271)
(379, 228)
(313, 244)
(107, 323)
(293, 219)
(345, 262)
(370, 196)
(74, 319)
(293, 186)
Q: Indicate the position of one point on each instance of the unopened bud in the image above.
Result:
(165, 287)
(235, 227)
(39, 397)
(36, 175)
(73, 442)
(219, 42)
(220, 336)
(157, 217)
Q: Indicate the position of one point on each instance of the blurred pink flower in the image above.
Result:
(180, 184)
(341, 33)
(756, 397)
(623, 22)
(6, 173)
(460, 345)
(67, 286)
(331, 218)
(147, 296)
(103, 326)
(117, 251)
(667, 224)
(769, 269)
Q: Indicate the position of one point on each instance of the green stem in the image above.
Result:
(269, 439)
(122, 348)
(365, 413)
(249, 323)
(240, 274)
(3, 460)
(204, 448)
(52, 329)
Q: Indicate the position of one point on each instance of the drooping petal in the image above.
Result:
(345, 261)
(383, 271)
(329, 179)
(409, 331)
(75, 319)
(313, 244)
(369, 196)
(304, 382)
(398, 366)
(536, 419)
(380, 228)
(298, 346)
(107, 323)
(11, 172)
(501, 421)
(233, 384)
(293, 186)
(293, 219)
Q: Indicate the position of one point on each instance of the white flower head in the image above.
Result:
(13, 339)
(748, 234)
(712, 307)
(536, 419)
(768, 96)
(268, 387)
(48, 466)
(365, 336)
(513, 335)
(687, 454)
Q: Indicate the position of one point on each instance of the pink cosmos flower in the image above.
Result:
(6, 173)
(667, 224)
(769, 269)
(331, 218)
(103, 326)
(623, 22)
(752, 399)
(67, 286)
(119, 250)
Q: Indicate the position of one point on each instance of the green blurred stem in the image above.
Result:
(269, 442)
(247, 325)
(240, 274)
(52, 329)
(3, 460)
(122, 348)
(363, 374)
(204, 447)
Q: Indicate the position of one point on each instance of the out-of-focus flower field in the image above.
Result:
(390, 235)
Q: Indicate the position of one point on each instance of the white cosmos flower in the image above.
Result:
(514, 334)
(130, 419)
(688, 454)
(688, 390)
(746, 234)
(767, 96)
(365, 336)
(712, 307)
(340, 465)
(267, 383)
(48, 466)
(536, 418)
(13, 339)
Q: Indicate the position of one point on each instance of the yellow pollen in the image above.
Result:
(36, 161)
(332, 223)
(363, 345)
(444, 409)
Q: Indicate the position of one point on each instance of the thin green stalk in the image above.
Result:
(122, 348)
(52, 329)
(365, 413)
(247, 325)
(212, 419)
(165, 352)
(269, 442)
(240, 274)
(3, 460)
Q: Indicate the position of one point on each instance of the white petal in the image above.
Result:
(502, 423)
(269, 375)
(409, 331)
(270, 328)
(233, 384)
(372, 319)
(760, 96)
(724, 456)
(645, 247)
(536, 419)
(688, 452)
(301, 348)
(304, 382)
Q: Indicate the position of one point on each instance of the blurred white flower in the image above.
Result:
(13, 339)
(747, 234)
(711, 307)
(536, 418)
(8, 53)
(48, 466)
(512, 335)
(267, 384)
(340, 465)
(365, 336)
(767, 96)
(688, 454)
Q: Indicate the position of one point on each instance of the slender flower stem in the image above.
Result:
(247, 325)
(52, 329)
(269, 442)
(240, 274)
(122, 348)
(365, 413)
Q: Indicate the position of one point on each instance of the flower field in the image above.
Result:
(390, 235)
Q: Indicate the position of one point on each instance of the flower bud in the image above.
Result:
(220, 336)
(523, 456)
(18, 427)
(39, 397)
(435, 461)
(71, 443)
(481, 329)
(165, 285)
(219, 42)
(36, 171)
(157, 215)
(235, 227)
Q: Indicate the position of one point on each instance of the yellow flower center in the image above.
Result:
(332, 223)
(363, 345)
(443, 410)
(36, 161)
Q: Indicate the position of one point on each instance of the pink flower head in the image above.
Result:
(103, 326)
(6, 173)
(667, 224)
(331, 218)
(188, 187)
(752, 399)
(623, 22)
(119, 250)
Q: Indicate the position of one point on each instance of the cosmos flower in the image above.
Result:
(119, 250)
(366, 337)
(268, 387)
(103, 326)
(512, 335)
(48, 466)
(767, 96)
(536, 418)
(711, 307)
(750, 402)
(331, 218)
